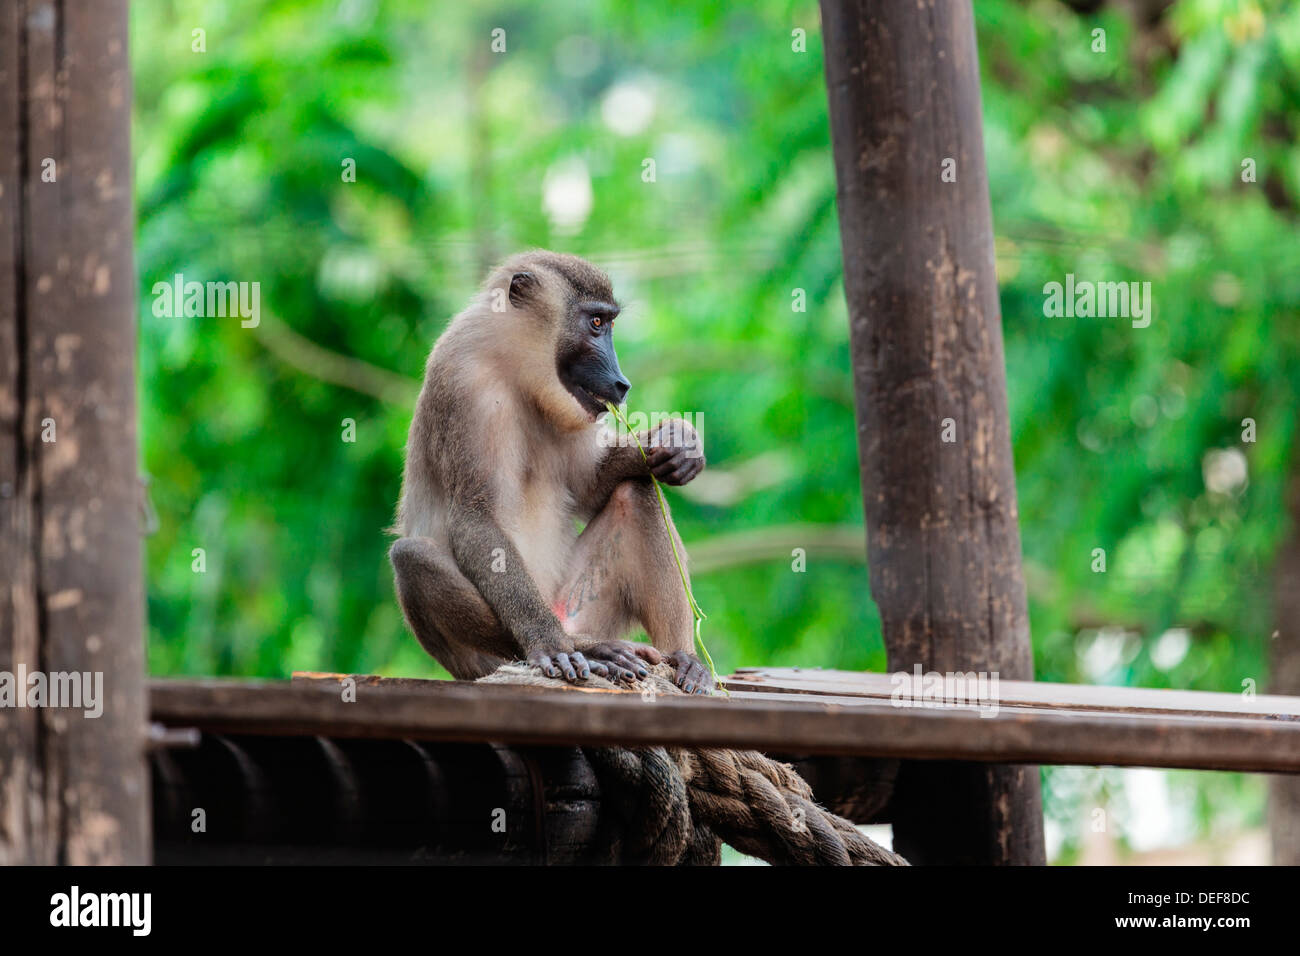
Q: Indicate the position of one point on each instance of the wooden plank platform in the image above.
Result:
(778, 710)
(802, 680)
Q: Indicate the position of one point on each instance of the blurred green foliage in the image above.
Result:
(1123, 164)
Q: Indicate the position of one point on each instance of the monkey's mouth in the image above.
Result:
(592, 404)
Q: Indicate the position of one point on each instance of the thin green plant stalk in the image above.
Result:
(696, 611)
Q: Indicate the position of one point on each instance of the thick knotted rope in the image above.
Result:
(675, 804)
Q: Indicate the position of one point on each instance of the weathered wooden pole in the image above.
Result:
(938, 481)
(72, 785)
(1284, 669)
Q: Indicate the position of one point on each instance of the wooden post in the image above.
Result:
(1284, 669)
(938, 482)
(72, 786)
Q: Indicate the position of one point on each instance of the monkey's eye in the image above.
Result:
(597, 323)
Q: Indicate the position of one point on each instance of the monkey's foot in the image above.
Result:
(690, 675)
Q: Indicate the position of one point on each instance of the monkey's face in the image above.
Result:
(585, 360)
(580, 310)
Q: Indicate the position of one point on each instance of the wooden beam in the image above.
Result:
(938, 484)
(1117, 700)
(72, 788)
(774, 722)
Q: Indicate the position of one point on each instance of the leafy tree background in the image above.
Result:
(1122, 164)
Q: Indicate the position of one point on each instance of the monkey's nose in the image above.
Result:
(621, 385)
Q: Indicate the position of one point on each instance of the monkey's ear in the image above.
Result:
(522, 286)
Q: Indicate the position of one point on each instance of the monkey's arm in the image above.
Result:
(487, 557)
(616, 466)
(479, 546)
(673, 453)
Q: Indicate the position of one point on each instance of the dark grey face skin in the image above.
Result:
(585, 360)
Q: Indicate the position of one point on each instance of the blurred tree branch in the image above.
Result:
(834, 542)
(319, 362)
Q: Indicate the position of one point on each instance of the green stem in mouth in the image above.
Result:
(696, 611)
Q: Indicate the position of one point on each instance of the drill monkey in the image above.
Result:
(505, 457)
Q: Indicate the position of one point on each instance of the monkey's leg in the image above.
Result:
(623, 573)
(448, 615)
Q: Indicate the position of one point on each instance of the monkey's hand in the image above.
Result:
(618, 660)
(558, 656)
(692, 676)
(675, 453)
